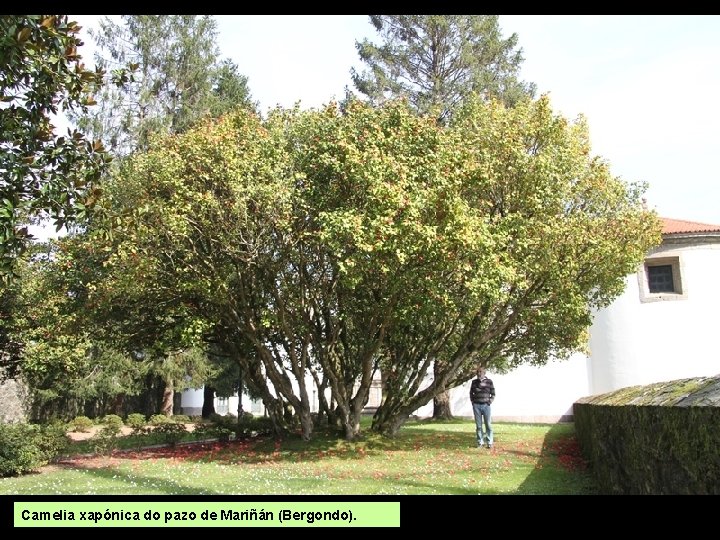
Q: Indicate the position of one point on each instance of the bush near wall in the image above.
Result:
(662, 438)
(27, 447)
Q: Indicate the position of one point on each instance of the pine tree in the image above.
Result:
(435, 61)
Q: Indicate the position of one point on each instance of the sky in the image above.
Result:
(649, 86)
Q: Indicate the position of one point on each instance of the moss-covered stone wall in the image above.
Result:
(662, 438)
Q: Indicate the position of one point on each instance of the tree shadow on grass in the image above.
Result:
(136, 482)
(560, 461)
(548, 455)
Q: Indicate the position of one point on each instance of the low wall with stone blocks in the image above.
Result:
(662, 438)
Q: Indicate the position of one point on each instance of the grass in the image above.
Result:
(127, 442)
(425, 458)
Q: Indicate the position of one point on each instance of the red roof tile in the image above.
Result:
(679, 226)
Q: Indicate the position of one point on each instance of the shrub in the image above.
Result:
(112, 419)
(252, 426)
(228, 421)
(171, 433)
(181, 419)
(81, 424)
(52, 440)
(212, 431)
(137, 422)
(26, 447)
(106, 440)
(159, 419)
(248, 426)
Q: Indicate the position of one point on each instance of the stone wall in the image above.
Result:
(12, 401)
(662, 438)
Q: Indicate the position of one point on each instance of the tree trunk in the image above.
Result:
(441, 402)
(274, 409)
(387, 422)
(240, 389)
(118, 405)
(441, 406)
(306, 424)
(166, 407)
(208, 407)
(177, 402)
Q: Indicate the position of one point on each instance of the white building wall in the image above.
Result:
(191, 401)
(636, 342)
(632, 342)
(528, 393)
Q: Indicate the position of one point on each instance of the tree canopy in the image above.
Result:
(42, 174)
(172, 78)
(436, 61)
(317, 247)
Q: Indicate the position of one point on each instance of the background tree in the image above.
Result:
(436, 62)
(174, 78)
(180, 370)
(10, 347)
(78, 357)
(229, 89)
(171, 77)
(67, 372)
(42, 174)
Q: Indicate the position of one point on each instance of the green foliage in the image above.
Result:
(68, 357)
(112, 419)
(173, 78)
(44, 174)
(181, 419)
(254, 426)
(26, 447)
(106, 440)
(186, 368)
(171, 432)
(52, 440)
(229, 89)
(227, 420)
(62, 362)
(213, 431)
(437, 61)
(81, 424)
(160, 419)
(136, 421)
(334, 243)
(225, 427)
(227, 379)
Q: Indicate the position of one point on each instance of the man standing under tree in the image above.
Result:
(482, 394)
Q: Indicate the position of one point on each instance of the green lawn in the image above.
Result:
(425, 458)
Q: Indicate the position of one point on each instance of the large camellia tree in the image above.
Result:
(325, 245)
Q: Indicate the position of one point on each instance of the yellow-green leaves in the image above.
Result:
(343, 238)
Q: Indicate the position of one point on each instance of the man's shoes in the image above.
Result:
(489, 446)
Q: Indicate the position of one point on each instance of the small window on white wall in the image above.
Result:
(660, 278)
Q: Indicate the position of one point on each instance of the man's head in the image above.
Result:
(480, 372)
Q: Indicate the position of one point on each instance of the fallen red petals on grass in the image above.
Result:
(186, 452)
(569, 454)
